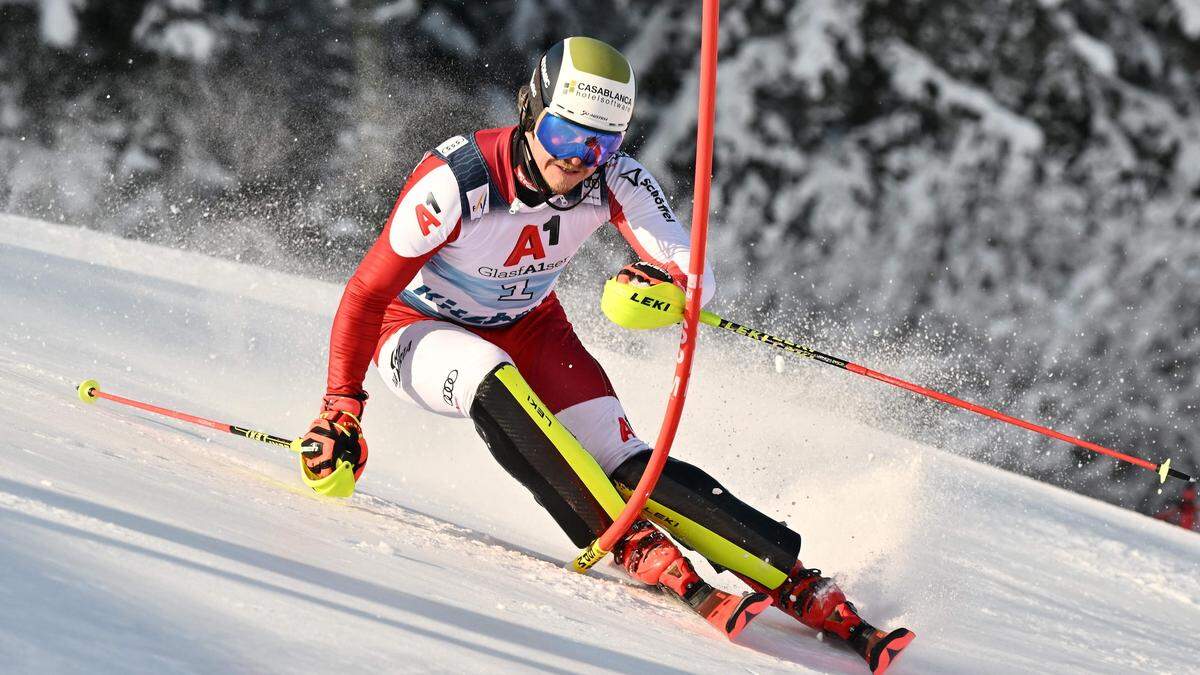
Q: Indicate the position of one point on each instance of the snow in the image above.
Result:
(442, 27)
(183, 38)
(136, 544)
(191, 40)
(57, 22)
(817, 28)
(401, 11)
(1098, 55)
(912, 73)
(1189, 17)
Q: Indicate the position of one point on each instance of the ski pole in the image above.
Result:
(647, 307)
(89, 391)
(1163, 470)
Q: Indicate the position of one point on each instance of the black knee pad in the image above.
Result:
(692, 493)
(527, 453)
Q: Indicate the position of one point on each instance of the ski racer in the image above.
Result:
(1183, 512)
(454, 306)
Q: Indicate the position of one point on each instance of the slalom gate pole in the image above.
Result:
(1163, 470)
(691, 313)
(89, 391)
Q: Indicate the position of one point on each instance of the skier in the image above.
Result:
(454, 304)
(1183, 513)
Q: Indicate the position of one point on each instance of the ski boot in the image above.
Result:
(650, 557)
(818, 603)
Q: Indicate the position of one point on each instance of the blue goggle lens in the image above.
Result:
(564, 139)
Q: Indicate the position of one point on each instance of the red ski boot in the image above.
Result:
(650, 557)
(818, 603)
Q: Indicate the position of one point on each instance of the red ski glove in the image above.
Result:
(643, 273)
(334, 452)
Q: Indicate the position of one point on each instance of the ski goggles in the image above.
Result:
(565, 139)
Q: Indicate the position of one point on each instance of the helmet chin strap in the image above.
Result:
(530, 168)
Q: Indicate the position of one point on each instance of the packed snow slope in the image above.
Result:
(130, 543)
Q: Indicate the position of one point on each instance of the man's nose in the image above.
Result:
(575, 161)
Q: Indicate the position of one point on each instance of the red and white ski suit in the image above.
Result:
(462, 279)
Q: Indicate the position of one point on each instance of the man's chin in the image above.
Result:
(565, 189)
(562, 182)
(562, 187)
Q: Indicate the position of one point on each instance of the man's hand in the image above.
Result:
(333, 438)
(643, 296)
(642, 273)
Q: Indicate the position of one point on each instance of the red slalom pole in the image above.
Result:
(89, 391)
(996, 415)
(687, 341)
(1163, 470)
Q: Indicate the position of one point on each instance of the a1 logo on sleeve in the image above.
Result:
(427, 214)
(426, 220)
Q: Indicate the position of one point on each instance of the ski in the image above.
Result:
(880, 649)
(729, 613)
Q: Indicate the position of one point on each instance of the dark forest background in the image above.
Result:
(1006, 188)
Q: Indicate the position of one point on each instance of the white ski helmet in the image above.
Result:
(583, 80)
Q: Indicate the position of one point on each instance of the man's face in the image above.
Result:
(562, 175)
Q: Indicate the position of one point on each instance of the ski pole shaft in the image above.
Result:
(1163, 470)
(89, 391)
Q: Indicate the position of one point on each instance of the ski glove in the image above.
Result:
(643, 273)
(643, 296)
(334, 452)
